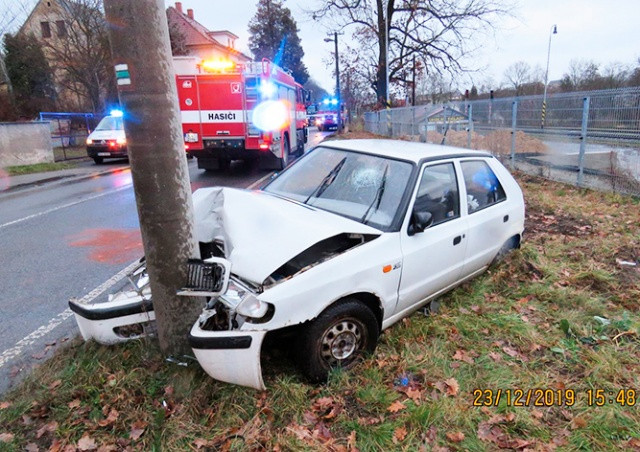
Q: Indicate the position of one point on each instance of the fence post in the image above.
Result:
(426, 125)
(389, 129)
(470, 128)
(413, 121)
(514, 114)
(583, 138)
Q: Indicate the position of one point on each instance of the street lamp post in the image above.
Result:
(554, 30)
(338, 97)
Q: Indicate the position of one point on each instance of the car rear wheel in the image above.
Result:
(284, 161)
(98, 160)
(338, 338)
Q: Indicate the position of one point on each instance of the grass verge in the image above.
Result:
(561, 314)
(38, 168)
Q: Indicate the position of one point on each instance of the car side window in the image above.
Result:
(483, 187)
(438, 193)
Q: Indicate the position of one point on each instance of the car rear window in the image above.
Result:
(483, 187)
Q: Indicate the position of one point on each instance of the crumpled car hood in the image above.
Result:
(261, 232)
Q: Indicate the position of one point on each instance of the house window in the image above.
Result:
(46, 29)
(62, 28)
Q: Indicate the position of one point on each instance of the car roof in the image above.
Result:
(405, 150)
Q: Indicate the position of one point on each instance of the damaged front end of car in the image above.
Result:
(244, 272)
(220, 340)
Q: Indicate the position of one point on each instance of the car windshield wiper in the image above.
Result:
(379, 193)
(328, 180)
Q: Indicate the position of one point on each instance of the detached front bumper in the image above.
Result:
(229, 356)
(126, 317)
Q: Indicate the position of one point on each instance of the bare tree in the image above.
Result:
(615, 75)
(438, 33)
(81, 56)
(634, 76)
(518, 75)
(582, 75)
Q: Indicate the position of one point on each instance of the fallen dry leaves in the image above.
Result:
(452, 387)
(50, 427)
(396, 406)
(463, 355)
(399, 434)
(110, 419)
(455, 437)
(137, 429)
(6, 437)
(87, 443)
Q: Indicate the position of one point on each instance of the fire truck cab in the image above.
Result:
(232, 111)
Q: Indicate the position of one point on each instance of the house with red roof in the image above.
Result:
(200, 41)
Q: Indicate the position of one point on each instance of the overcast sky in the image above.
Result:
(603, 31)
(598, 30)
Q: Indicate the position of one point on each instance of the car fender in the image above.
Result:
(359, 270)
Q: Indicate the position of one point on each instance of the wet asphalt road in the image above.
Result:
(62, 241)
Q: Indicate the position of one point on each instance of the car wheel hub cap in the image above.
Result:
(341, 341)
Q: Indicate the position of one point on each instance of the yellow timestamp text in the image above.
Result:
(540, 397)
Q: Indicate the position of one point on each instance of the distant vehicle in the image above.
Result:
(348, 240)
(326, 120)
(108, 139)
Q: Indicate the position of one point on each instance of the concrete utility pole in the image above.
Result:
(139, 38)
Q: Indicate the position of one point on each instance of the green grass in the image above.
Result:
(37, 168)
(534, 321)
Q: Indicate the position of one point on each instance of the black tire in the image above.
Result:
(339, 337)
(300, 148)
(224, 164)
(286, 153)
(98, 160)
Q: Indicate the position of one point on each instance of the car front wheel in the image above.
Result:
(338, 338)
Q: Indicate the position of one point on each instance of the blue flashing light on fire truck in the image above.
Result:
(233, 111)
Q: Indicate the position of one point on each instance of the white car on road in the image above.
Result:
(349, 239)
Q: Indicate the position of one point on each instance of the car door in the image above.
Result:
(432, 259)
(487, 214)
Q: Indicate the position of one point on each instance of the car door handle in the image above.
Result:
(457, 240)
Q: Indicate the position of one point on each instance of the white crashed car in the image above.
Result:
(342, 244)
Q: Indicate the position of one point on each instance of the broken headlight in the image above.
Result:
(241, 300)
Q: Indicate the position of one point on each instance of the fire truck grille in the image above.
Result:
(204, 276)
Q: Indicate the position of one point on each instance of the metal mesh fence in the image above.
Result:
(69, 132)
(589, 139)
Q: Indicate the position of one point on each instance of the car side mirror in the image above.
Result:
(420, 221)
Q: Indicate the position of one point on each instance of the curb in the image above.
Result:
(40, 184)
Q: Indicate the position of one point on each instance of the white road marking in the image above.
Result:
(18, 349)
(64, 206)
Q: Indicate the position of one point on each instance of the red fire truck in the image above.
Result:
(234, 111)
